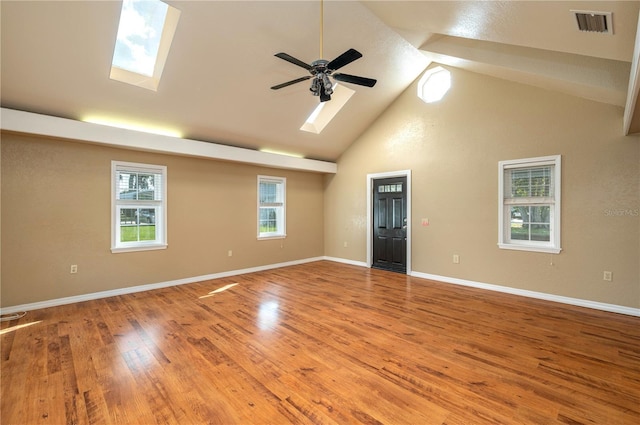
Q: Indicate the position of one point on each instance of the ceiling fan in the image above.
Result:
(321, 69)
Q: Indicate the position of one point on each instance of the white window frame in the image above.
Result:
(280, 204)
(504, 210)
(159, 205)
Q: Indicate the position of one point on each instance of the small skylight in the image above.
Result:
(144, 37)
(325, 111)
(434, 84)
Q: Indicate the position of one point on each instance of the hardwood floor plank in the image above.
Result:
(320, 343)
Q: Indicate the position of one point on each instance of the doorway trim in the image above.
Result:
(370, 179)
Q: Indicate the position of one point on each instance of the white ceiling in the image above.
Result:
(56, 58)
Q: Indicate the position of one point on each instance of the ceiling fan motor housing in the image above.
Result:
(319, 66)
(321, 85)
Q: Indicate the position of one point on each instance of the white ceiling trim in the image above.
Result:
(45, 125)
(602, 80)
(631, 122)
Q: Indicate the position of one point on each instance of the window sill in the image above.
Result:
(150, 247)
(547, 249)
(262, 238)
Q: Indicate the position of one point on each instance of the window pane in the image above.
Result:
(139, 35)
(139, 186)
(147, 232)
(268, 192)
(137, 224)
(127, 186)
(146, 187)
(128, 216)
(520, 234)
(540, 232)
(520, 183)
(517, 214)
(147, 221)
(147, 216)
(531, 223)
(540, 214)
(540, 182)
(268, 220)
(128, 225)
(531, 182)
(519, 229)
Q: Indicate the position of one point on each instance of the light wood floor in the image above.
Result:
(320, 343)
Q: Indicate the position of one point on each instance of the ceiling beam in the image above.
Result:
(602, 80)
(45, 125)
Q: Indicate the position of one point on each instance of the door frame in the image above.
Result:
(370, 179)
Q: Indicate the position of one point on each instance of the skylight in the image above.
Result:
(144, 37)
(325, 111)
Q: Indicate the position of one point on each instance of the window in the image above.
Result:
(271, 207)
(138, 206)
(434, 84)
(145, 34)
(529, 209)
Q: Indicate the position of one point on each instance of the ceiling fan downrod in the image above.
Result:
(321, 69)
(321, 27)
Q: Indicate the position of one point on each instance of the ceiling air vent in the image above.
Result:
(593, 21)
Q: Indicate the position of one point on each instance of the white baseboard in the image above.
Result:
(345, 261)
(613, 308)
(141, 288)
(630, 311)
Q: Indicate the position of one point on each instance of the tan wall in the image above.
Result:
(56, 212)
(453, 148)
(55, 201)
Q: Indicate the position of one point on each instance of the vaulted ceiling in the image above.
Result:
(56, 58)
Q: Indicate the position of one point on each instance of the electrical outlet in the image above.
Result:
(230, 253)
(345, 244)
(456, 259)
(74, 269)
(608, 276)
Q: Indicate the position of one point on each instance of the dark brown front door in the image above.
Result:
(390, 224)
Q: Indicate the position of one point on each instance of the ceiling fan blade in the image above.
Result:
(353, 79)
(293, 60)
(288, 83)
(344, 59)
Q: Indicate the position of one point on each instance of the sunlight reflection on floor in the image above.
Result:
(16, 327)
(216, 291)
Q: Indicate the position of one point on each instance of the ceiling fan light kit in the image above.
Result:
(322, 69)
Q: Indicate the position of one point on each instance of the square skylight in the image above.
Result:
(325, 111)
(145, 33)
